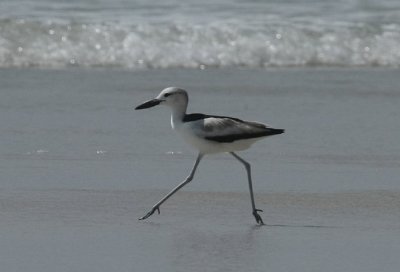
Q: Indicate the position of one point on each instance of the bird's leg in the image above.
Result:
(253, 205)
(258, 217)
(156, 207)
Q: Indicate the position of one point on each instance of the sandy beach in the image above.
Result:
(98, 230)
(79, 166)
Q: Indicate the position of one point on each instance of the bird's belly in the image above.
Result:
(208, 147)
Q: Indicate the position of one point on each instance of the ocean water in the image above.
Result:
(189, 34)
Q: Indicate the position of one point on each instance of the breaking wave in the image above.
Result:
(58, 44)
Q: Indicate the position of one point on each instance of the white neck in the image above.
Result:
(178, 112)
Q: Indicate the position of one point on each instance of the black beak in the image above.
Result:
(148, 104)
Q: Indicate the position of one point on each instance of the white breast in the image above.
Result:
(194, 134)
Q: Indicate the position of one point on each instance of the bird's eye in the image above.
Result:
(167, 94)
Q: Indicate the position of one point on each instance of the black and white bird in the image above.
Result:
(209, 134)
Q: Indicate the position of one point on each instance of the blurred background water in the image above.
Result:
(223, 33)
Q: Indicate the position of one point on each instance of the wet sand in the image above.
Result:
(98, 230)
(78, 167)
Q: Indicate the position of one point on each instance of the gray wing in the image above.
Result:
(226, 129)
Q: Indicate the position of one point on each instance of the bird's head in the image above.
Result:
(171, 96)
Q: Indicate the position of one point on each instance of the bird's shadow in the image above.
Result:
(297, 226)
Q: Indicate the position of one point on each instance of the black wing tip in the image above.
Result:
(278, 131)
(237, 137)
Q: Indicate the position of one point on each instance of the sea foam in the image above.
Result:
(59, 44)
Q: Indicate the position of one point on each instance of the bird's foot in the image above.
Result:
(155, 208)
(258, 217)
